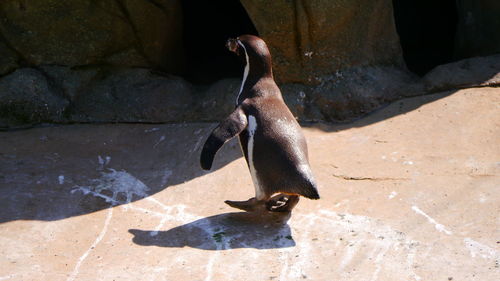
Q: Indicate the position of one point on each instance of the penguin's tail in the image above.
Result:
(301, 183)
(308, 188)
(310, 192)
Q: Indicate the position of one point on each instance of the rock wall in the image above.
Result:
(478, 28)
(115, 60)
(310, 39)
(84, 32)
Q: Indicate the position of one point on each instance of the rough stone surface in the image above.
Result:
(309, 39)
(335, 60)
(94, 94)
(115, 94)
(132, 95)
(8, 59)
(478, 71)
(110, 94)
(477, 28)
(215, 102)
(73, 82)
(26, 97)
(124, 32)
(351, 93)
(408, 193)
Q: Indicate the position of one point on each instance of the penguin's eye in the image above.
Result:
(232, 45)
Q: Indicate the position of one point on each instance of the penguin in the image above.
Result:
(270, 137)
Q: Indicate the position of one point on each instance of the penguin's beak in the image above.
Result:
(232, 45)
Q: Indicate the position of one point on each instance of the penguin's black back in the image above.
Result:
(280, 155)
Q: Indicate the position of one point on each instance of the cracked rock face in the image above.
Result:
(108, 94)
(90, 61)
(27, 97)
(310, 39)
(478, 24)
(8, 59)
(125, 32)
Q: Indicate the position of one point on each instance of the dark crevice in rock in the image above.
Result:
(302, 31)
(159, 6)
(21, 59)
(139, 46)
(207, 26)
(9, 71)
(53, 84)
(118, 51)
(101, 6)
(426, 30)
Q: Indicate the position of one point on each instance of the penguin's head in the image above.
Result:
(253, 51)
(233, 45)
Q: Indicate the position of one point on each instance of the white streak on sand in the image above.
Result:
(378, 260)
(151, 130)
(97, 240)
(438, 226)
(223, 245)
(162, 138)
(160, 225)
(392, 195)
(304, 253)
(178, 211)
(8, 276)
(113, 201)
(172, 213)
(165, 207)
(363, 233)
(197, 144)
(210, 265)
(286, 253)
(100, 160)
(349, 254)
(363, 236)
(477, 249)
(283, 257)
(103, 161)
(410, 260)
(482, 198)
(121, 182)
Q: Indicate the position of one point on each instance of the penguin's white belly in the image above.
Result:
(252, 127)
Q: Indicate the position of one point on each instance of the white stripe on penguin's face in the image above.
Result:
(245, 73)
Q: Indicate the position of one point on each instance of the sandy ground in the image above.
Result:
(411, 192)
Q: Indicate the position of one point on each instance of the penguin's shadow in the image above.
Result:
(258, 230)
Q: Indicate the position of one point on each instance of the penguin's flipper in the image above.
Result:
(232, 126)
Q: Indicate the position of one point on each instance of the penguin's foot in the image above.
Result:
(250, 205)
(282, 203)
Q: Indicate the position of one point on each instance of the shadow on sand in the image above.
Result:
(259, 230)
(57, 172)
